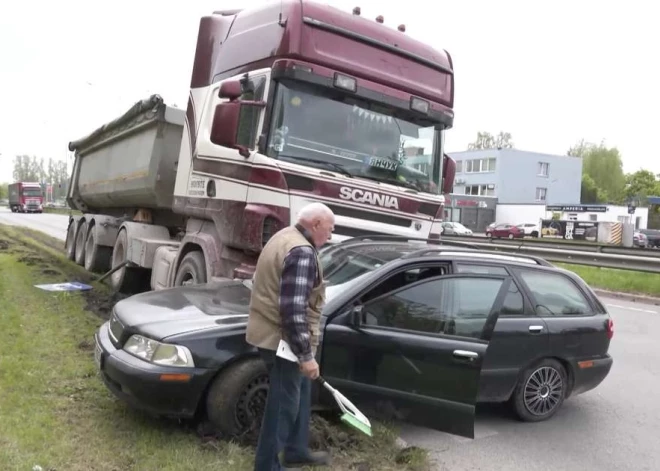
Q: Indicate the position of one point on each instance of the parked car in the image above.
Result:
(652, 236)
(505, 230)
(425, 330)
(529, 229)
(640, 239)
(455, 228)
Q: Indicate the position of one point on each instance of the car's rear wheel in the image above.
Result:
(535, 234)
(541, 391)
(237, 398)
(511, 236)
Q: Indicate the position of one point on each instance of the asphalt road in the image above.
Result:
(55, 225)
(611, 428)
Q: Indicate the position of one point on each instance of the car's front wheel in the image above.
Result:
(237, 398)
(541, 391)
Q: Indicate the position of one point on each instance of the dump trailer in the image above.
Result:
(26, 197)
(290, 102)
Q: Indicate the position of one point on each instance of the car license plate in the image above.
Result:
(98, 355)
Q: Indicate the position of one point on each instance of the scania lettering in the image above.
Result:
(367, 197)
(289, 102)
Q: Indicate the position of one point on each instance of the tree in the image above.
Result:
(641, 184)
(53, 172)
(590, 193)
(4, 191)
(486, 140)
(603, 164)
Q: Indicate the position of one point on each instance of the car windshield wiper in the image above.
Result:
(338, 168)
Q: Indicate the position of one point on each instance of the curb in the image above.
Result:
(634, 298)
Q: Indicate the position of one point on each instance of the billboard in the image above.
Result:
(569, 230)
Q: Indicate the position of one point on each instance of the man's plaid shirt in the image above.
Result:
(299, 277)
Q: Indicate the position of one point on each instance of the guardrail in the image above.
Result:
(559, 253)
(560, 244)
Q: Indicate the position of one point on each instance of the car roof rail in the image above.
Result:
(398, 238)
(478, 252)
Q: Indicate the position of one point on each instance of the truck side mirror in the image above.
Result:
(234, 124)
(448, 174)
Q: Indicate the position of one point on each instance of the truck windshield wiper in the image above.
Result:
(338, 168)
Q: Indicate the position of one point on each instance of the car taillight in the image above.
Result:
(610, 328)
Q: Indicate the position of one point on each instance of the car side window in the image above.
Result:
(513, 302)
(554, 294)
(450, 306)
(404, 278)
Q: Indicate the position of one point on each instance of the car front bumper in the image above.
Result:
(590, 373)
(142, 385)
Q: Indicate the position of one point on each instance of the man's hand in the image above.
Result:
(310, 369)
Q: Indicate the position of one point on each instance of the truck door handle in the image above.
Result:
(466, 354)
(535, 329)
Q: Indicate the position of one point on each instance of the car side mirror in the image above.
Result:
(356, 315)
(235, 121)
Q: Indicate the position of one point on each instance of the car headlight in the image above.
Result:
(159, 353)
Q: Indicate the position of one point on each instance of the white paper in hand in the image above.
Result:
(284, 351)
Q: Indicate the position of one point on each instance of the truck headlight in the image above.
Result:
(159, 353)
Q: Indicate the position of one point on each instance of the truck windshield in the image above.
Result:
(327, 129)
(31, 192)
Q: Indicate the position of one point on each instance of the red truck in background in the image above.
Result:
(26, 197)
(290, 102)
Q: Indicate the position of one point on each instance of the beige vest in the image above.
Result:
(264, 322)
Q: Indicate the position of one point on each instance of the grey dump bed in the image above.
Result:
(129, 162)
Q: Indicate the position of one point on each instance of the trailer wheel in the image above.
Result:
(128, 280)
(97, 257)
(192, 270)
(80, 244)
(70, 243)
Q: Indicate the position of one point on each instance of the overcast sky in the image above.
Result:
(549, 73)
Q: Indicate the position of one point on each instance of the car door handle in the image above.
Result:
(466, 354)
(535, 329)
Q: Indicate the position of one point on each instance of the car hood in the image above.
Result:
(164, 313)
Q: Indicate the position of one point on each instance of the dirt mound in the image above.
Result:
(101, 304)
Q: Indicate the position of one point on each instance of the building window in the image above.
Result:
(459, 166)
(480, 165)
(593, 217)
(541, 194)
(480, 190)
(544, 169)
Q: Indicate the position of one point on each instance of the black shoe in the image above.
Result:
(314, 458)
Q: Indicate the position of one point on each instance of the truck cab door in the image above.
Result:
(417, 351)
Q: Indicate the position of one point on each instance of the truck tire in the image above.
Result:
(70, 243)
(237, 398)
(192, 270)
(80, 244)
(127, 280)
(97, 257)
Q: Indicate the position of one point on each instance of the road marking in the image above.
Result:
(632, 308)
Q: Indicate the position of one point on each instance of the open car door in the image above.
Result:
(417, 350)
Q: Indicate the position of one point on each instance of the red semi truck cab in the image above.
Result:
(26, 197)
(294, 102)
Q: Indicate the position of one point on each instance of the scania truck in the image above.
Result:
(290, 102)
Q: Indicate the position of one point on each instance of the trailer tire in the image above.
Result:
(80, 244)
(192, 270)
(70, 243)
(97, 257)
(127, 280)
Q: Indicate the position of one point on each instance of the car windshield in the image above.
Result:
(458, 225)
(328, 129)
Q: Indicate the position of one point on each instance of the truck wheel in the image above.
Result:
(70, 243)
(541, 391)
(127, 280)
(80, 244)
(236, 400)
(97, 257)
(192, 270)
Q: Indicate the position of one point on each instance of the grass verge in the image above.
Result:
(625, 281)
(58, 415)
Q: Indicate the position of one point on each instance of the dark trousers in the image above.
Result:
(285, 424)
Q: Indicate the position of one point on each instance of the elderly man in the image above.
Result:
(287, 297)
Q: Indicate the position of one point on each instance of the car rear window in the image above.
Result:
(554, 294)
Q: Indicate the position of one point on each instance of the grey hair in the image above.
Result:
(313, 211)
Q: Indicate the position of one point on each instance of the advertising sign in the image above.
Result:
(569, 230)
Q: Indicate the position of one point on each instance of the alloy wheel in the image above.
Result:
(543, 391)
